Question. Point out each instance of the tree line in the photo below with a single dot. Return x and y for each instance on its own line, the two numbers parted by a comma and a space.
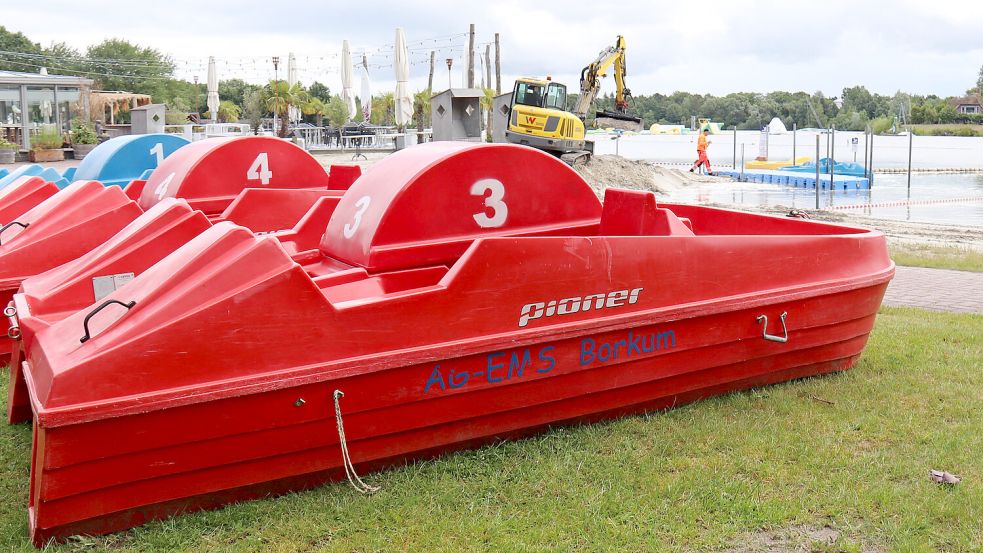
856, 109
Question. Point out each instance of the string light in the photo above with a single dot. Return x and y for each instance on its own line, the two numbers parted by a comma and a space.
250, 68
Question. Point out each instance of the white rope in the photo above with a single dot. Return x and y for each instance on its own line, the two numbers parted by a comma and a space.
350, 473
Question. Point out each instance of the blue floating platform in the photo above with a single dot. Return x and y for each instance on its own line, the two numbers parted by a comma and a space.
794, 178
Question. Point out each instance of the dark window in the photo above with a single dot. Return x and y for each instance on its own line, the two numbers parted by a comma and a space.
556, 96
529, 94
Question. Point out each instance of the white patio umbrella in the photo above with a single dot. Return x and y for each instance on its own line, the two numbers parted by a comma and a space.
403, 100
293, 113
346, 79
212, 100
366, 91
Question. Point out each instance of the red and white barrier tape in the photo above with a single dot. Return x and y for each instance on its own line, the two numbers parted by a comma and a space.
904, 203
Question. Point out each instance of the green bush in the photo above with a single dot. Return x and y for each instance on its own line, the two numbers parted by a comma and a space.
48, 139
4, 145
882, 124
83, 133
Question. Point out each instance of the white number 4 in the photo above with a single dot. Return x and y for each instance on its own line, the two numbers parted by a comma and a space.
161, 189
260, 169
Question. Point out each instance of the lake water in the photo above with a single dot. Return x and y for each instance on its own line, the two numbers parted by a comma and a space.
934, 197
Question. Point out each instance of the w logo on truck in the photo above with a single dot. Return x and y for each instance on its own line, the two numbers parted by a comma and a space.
531, 120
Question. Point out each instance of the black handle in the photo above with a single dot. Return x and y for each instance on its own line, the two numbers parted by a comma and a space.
107, 303
12, 223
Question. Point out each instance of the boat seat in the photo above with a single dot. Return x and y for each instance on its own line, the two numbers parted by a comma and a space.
636, 213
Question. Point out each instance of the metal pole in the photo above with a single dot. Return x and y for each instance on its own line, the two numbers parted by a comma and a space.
742, 162
832, 160
735, 147
871, 165
865, 152
911, 140
795, 129
817, 170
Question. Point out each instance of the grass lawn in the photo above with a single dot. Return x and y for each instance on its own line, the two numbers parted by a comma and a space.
835, 463
937, 257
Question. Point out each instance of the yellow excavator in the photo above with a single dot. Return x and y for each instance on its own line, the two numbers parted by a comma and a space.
538, 116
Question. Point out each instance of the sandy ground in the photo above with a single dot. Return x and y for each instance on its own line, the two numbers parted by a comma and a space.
606, 170
614, 171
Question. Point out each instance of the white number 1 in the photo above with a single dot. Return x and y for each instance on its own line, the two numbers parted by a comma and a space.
260, 169
495, 201
158, 150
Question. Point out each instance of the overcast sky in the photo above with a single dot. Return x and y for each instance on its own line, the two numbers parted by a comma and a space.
697, 46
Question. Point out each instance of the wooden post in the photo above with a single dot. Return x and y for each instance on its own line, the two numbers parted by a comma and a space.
498, 66
488, 82
471, 57
433, 55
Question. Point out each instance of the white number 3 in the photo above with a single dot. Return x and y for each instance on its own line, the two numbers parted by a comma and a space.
362, 204
494, 201
260, 169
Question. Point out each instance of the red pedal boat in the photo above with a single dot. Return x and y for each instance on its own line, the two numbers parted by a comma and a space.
212, 175
462, 293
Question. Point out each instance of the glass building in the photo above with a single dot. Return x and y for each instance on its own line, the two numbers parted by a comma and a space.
32, 102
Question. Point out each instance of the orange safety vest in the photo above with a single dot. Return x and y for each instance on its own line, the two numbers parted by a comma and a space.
701, 143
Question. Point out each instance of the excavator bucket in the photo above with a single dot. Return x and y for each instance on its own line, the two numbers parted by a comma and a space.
616, 120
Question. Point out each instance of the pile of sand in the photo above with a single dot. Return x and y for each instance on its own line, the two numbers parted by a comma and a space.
617, 172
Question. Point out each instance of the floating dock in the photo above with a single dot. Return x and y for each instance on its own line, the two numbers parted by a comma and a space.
793, 178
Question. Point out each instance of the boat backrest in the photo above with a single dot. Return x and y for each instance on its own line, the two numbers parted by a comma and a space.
426, 205
341, 177
210, 173
636, 213
23, 194
272, 209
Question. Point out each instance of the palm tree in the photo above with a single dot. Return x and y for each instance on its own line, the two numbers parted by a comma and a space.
315, 107
228, 112
421, 109
487, 102
383, 109
280, 97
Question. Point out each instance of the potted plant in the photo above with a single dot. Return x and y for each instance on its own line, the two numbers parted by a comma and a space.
7, 151
83, 138
46, 146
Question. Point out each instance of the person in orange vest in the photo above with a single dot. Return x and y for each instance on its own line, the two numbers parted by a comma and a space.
701, 152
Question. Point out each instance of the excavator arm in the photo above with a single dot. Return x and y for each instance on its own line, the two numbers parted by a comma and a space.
590, 85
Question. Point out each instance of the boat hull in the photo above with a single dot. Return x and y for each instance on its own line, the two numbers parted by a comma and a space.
205, 455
